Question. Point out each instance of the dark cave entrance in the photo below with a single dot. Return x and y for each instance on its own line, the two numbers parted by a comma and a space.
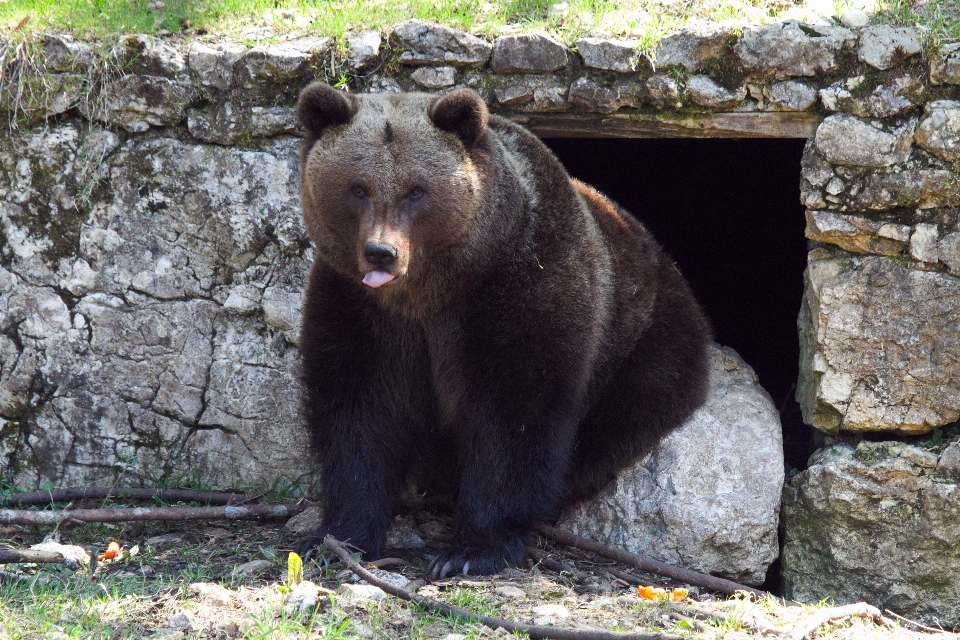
729, 212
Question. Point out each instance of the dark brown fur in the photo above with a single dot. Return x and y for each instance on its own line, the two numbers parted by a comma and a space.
534, 341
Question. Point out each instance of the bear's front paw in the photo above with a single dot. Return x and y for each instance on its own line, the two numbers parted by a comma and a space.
305, 546
476, 560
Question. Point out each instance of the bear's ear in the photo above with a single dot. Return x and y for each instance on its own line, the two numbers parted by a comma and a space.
321, 106
462, 112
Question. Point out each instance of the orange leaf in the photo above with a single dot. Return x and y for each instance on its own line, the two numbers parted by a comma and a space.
113, 550
678, 594
652, 593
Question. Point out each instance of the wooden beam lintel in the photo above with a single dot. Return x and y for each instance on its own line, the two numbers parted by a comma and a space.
766, 124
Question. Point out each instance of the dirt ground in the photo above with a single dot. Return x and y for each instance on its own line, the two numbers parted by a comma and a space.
228, 580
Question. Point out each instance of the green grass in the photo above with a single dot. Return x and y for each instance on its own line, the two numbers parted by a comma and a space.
263, 20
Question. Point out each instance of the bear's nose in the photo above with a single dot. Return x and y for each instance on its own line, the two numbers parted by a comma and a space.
380, 254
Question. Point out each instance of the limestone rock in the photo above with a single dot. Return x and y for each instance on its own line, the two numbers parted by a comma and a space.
844, 139
945, 65
148, 369
877, 345
42, 96
586, 93
363, 50
62, 53
791, 95
883, 46
422, 42
786, 49
138, 102
857, 233
282, 63
707, 93
876, 523
527, 53
697, 500
214, 64
939, 129
143, 55
434, 77
609, 54
230, 121
663, 90
531, 92
697, 43
854, 18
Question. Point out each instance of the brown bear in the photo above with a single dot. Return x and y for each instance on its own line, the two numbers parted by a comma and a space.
476, 321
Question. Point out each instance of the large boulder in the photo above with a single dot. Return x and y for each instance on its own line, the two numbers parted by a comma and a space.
708, 498
880, 522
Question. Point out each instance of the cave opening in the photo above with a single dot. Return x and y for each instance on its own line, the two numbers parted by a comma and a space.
728, 211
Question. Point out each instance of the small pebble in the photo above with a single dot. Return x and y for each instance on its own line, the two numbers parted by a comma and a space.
854, 19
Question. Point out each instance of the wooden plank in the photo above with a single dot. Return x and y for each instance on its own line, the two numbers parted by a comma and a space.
772, 124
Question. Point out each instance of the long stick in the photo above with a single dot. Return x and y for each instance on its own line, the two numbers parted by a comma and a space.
11, 516
10, 556
79, 493
533, 631
649, 565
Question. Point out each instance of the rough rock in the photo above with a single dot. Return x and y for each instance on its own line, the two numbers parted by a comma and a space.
939, 129
147, 56
844, 139
62, 53
857, 233
145, 371
214, 64
229, 121
363, 592
40, 97
883, 46
531, 92
428, 43
791, 95
878, 345
527, 53
434, 77
363, 50
282, 63
138, 102
945, 65
697, 501
609, 54
696, 44
590, 95
876, 522
854, 18
786, 49
663, 91
890, 99
707, 93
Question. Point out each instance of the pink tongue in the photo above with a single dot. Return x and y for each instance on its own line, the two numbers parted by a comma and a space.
377, 278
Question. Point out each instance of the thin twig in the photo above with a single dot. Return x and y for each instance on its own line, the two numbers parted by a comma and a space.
917, 624
806, 628
650, 565
11, 556
554, 565
230, 512
80, 493
533, 631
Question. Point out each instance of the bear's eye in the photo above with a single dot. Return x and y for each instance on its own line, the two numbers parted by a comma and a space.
416, 193
358, 191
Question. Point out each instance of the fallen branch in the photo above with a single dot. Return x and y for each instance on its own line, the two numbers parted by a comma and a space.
917, 624
806, 628
558, 567
81, 493
230, 512
648, 564
11, 556
534, 631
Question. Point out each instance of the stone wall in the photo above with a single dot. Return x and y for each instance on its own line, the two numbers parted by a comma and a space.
151, 255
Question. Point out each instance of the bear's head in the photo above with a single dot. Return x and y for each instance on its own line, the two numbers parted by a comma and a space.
392, 184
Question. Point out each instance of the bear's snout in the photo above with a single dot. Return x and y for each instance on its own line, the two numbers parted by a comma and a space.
380, 254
